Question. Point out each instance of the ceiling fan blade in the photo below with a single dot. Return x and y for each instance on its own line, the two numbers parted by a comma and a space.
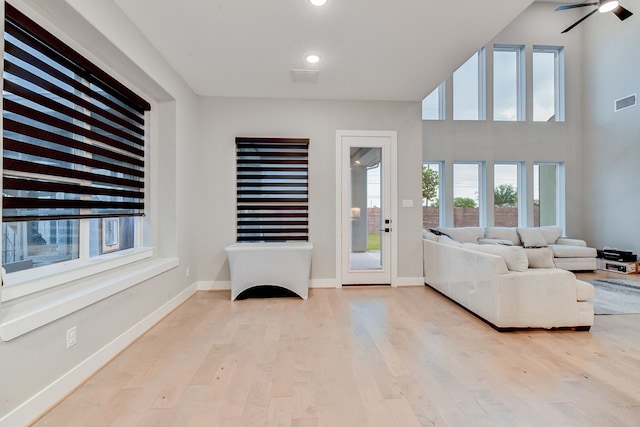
573, 6
622, 13
581, 19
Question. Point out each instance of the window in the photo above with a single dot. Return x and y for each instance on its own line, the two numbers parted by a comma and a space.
548, 194
431, 190
272, 189
433, 106
73, 157
548, 84
508, 83
469, 89
507, 178
467, 194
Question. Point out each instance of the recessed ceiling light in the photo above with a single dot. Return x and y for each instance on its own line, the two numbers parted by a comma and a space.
313, 59
318, 2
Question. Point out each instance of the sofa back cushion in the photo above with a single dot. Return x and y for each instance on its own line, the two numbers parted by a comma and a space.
513, 256
551, 233
463, 234
503, 233
532, 237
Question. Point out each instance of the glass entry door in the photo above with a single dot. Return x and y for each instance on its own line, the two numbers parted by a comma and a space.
366, 219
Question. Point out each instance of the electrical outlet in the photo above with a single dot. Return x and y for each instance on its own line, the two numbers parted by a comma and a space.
72, 336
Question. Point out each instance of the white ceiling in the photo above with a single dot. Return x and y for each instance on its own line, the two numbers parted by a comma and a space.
369, 49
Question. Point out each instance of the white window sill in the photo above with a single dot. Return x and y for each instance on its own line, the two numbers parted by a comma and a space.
20, 315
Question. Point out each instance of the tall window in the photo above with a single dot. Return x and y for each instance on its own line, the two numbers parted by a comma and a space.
469, 89
73, 157
506, 177
433, 106
548, 194
508, 82
272, 189
467, 194
431, 190
548, 84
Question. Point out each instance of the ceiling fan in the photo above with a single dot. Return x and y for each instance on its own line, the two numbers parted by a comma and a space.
603, 7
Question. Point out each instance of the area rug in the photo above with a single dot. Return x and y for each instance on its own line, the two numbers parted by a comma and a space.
616, 296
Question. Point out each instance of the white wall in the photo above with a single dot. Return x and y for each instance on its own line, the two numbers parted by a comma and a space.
527, 141
32, 362
612, 140
223, 119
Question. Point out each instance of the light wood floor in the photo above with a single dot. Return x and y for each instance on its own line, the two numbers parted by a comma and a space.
371, 356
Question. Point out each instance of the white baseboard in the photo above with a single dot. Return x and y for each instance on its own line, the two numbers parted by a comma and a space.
410, 281
211, 285
54, 392
323, 283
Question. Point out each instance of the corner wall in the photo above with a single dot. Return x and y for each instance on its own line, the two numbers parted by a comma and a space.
612, 140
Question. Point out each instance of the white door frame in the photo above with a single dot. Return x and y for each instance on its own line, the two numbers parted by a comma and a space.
393, 139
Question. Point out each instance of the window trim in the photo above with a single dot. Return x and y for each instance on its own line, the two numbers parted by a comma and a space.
519, 50
559, 85
441, 102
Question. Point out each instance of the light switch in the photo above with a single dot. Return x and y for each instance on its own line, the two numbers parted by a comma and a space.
407, 203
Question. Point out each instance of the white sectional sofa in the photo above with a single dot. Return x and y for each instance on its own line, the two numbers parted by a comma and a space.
497, 284
568, 254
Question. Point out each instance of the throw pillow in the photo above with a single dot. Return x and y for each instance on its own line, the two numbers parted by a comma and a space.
513, 256
540, 257
532, 238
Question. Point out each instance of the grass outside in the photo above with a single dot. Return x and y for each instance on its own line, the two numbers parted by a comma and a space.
373, 242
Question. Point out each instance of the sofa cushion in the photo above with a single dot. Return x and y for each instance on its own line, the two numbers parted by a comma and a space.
448, 241
513, 256
567, 251
463, 234
531, 237
429, 235
584, 291
551, 233
540, 257
495, 242
503, 233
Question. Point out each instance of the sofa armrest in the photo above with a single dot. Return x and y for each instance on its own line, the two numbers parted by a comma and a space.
570, 242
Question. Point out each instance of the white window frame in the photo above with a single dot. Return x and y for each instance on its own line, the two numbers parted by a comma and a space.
441, 186
560, 191
482, 86
521, 203
482, 192
440, 93
519, 50
559, 87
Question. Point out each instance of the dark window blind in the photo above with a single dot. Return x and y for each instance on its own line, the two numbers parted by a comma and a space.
272, 189
73, 135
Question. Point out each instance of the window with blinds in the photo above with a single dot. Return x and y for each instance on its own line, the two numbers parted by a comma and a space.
272, 189
74, 146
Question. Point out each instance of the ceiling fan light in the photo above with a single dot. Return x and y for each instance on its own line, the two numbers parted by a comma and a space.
608, 5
